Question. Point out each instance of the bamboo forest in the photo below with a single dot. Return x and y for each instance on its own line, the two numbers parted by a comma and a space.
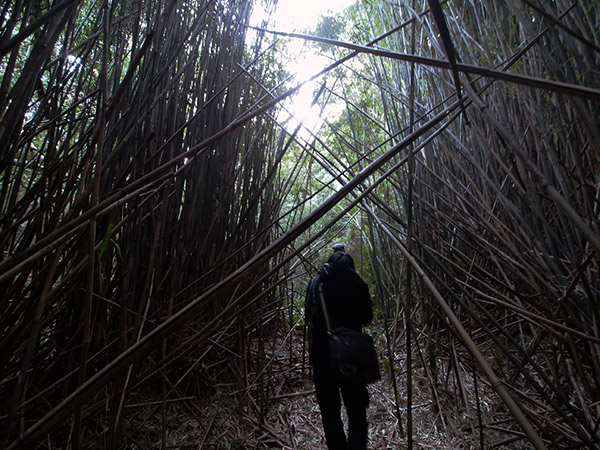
163, 207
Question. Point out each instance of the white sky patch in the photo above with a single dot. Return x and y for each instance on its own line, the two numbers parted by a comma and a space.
304, 62
74, 62
297, 15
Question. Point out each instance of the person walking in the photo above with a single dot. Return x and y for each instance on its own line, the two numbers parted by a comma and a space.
349, 305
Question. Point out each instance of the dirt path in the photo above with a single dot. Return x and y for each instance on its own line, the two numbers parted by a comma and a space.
294, 422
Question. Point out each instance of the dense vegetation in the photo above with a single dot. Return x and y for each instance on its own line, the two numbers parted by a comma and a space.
160, 215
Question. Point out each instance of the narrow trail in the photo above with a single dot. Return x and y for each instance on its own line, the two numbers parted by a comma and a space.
291, 418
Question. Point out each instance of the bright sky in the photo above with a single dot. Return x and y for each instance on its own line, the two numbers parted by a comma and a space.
298, 16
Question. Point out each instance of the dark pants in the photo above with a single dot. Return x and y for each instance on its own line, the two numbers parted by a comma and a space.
356, 400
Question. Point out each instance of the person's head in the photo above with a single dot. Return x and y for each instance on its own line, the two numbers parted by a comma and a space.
340, 258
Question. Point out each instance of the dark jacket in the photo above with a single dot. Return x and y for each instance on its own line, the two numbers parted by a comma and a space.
348, 304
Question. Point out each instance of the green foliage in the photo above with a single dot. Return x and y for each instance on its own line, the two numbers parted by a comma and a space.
514, 26
330, 27
106, 239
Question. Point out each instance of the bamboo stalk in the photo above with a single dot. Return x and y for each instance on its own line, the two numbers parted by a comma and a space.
497, 385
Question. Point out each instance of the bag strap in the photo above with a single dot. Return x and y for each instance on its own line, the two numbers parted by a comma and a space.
322, 296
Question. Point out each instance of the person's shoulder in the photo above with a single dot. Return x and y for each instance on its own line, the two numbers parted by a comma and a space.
357, 279
312, 284
354, 274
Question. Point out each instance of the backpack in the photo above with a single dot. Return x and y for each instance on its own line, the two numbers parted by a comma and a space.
352, 354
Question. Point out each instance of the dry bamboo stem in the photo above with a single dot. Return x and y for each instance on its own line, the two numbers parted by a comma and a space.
496, 383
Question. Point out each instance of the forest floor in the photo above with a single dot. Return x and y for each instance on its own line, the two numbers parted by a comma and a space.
276, 408
293, 421
302, 419
284, 414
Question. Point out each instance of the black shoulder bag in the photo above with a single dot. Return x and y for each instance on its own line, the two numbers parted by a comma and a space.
352, 354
